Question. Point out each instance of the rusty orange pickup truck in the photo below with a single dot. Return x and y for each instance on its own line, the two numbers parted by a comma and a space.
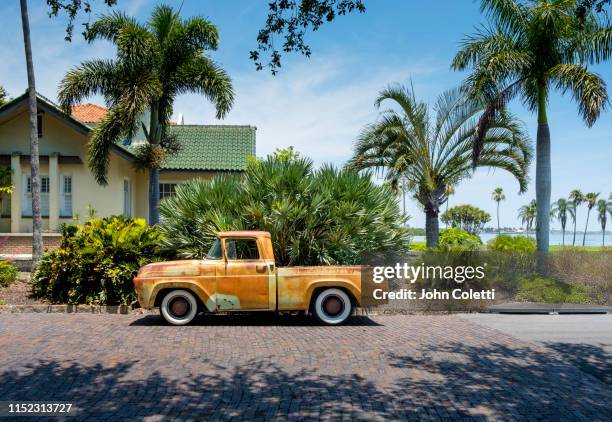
239, 274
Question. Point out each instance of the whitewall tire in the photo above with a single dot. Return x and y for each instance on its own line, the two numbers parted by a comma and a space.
179, 307
332, 306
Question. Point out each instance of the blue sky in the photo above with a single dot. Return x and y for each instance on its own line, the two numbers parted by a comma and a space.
320, 104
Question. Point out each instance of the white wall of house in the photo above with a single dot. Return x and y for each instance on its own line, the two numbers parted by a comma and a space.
59, 139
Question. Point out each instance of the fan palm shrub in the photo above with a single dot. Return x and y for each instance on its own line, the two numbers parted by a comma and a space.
433, 152
155, 63
325, 216
532, 48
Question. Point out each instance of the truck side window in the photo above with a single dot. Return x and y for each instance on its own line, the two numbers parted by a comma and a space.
242, 249
215, 251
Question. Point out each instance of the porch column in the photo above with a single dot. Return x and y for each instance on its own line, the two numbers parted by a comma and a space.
54, 192
16, 178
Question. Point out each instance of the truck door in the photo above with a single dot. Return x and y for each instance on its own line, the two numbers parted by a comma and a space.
245, 282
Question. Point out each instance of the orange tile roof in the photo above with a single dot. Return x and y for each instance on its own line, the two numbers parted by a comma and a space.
88, 113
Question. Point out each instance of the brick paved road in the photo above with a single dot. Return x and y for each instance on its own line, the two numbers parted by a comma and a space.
386, 368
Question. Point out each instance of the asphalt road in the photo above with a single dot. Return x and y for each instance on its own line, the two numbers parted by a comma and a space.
584, 340
575, 329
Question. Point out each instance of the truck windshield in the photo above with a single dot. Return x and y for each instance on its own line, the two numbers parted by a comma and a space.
215, 251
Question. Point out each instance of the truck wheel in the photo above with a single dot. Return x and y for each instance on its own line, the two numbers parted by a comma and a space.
332, 307
179, 307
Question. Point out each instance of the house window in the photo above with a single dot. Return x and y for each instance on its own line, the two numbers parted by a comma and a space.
66, 197
39, 124
6, 204
127, 198
27, 196
166, 190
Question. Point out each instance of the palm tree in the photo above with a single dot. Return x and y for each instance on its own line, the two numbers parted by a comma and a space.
532, 48
576, 197
155, 62
432, 154
37, 240
560, 210
528, 213
603, 209
498, 196
591, 200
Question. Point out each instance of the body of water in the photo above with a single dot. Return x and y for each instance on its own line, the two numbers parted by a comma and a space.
592, 238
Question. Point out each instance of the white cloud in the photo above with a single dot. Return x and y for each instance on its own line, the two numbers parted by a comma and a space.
318, 106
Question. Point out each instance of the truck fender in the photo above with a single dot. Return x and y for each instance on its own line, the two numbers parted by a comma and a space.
341, 284
205, 298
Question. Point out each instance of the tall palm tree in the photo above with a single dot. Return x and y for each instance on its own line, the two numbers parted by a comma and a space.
498, 196
155, 62
37, 240
576, 197
528, 214
560, 211
532, 48
604, 208
434, 153
591, 200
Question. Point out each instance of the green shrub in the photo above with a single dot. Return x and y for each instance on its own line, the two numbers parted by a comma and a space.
418, 246
507, 243
547, 290
97, 261
8, 273
325, 216
458, 240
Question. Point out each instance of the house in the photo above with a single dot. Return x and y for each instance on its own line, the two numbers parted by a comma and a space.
68, 189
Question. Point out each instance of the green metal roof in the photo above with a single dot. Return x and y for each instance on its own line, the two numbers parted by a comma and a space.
212, 147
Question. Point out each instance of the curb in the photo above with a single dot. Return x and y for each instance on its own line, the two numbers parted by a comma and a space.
127, 309
65, 309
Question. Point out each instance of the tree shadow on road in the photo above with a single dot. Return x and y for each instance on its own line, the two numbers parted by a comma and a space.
513, 381
257, 390
592, 359
254, 319
497, 380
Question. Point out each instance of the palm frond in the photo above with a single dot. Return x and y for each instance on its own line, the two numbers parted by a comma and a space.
587, 88
205, 77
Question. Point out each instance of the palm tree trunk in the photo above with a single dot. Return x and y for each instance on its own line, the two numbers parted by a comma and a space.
155, 138
563, 236
574, 237
603, 238
586, 227
543, 175
37, 240
498, 229
432, 228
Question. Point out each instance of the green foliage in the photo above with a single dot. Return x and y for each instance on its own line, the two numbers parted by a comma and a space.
429, 149
547, 290
97, 261
507, 243
156, 61
325, 216
466, 217
455, 239
8, 273
418, 246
